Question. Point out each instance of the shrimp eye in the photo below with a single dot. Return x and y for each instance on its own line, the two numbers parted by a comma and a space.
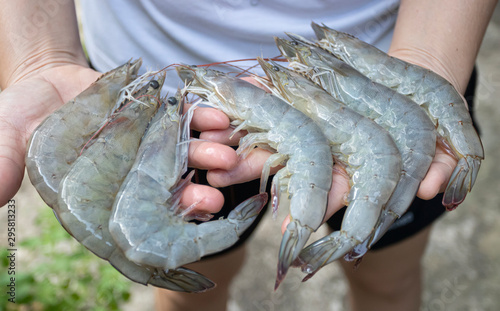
154, 84
276, 68
172, 101
295, 43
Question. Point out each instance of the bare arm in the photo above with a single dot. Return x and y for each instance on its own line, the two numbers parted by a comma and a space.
35, 35
443, 36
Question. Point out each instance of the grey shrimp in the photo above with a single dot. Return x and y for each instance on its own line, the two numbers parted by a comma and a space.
366, 151
146, 221
57, 141
87, 191
305, 180
410, 127
445, 106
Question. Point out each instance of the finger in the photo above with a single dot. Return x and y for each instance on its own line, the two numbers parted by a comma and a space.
205, 198
246, 169
11, 164
223, 136
438, 175
336, 197
209, 156
12, 151
205, 119
11, 176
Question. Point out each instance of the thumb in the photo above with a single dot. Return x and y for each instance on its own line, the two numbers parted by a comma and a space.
11, 163
439, 173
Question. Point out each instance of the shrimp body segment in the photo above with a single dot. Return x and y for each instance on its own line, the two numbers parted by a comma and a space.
362, 147
444, 105
87, 191
146, 221
272, 123
409, 126
57, 141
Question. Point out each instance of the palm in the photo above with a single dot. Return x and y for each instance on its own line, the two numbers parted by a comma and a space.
23, 106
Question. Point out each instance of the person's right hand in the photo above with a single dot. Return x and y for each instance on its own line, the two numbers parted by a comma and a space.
23, 105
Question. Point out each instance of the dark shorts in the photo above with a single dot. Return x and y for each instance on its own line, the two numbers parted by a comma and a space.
420, 214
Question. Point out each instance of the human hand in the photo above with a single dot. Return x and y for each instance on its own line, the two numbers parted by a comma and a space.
23, 105
207, 155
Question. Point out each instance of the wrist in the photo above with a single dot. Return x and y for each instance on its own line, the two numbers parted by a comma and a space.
39, 60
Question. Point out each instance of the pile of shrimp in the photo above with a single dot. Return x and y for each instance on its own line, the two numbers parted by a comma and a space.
109, 163
340, 105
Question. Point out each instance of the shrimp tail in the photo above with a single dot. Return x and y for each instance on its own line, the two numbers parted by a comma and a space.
324, 251
358, 251
396, 207
461, 181
218, 235
293, 241
385, 222
181, 280
244, 214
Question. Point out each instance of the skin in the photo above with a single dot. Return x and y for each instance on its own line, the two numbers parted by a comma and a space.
44, 56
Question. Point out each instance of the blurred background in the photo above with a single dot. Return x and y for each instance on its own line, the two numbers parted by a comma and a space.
462, 262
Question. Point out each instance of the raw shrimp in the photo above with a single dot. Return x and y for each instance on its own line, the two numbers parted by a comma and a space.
410, 127
445, 106
305, 180
57, 141
365, 149
147, 221
87, 191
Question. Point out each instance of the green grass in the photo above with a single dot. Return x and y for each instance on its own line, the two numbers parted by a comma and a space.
61, 274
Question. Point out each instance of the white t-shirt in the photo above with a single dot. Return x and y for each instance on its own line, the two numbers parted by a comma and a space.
163, 32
